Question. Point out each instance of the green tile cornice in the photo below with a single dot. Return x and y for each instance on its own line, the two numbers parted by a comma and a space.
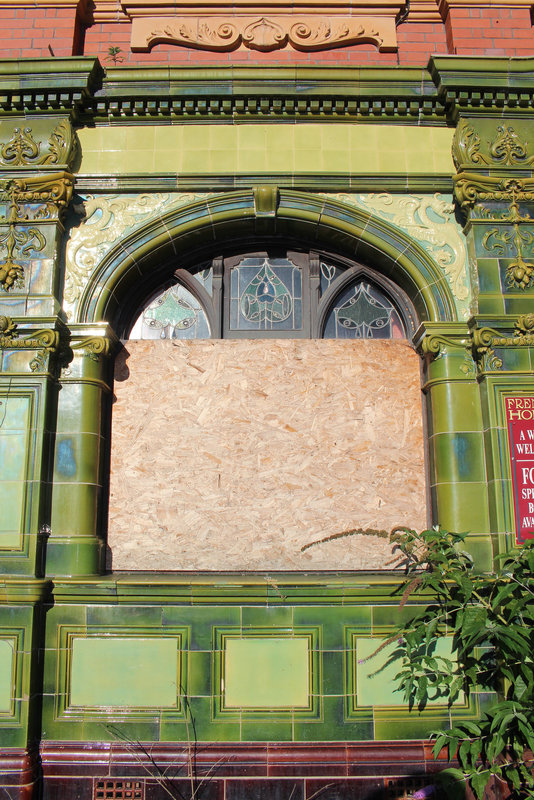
19, 591
255, 93
421, 183
484, 86
230, 589
47, 85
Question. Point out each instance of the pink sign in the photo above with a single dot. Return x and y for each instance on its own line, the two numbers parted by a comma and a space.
520, 419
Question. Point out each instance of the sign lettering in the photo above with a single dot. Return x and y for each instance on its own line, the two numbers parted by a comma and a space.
520, 420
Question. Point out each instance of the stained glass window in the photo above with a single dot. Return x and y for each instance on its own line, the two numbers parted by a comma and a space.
265, 295
329, 273
362, 311
174, 313
276, 294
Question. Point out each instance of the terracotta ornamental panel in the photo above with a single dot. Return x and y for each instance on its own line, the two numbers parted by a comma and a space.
235, 455
304, 25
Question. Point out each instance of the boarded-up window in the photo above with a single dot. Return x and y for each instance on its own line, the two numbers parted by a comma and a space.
234, 454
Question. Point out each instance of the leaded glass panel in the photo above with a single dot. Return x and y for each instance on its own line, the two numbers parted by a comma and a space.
265, 295
175, 313
362, 311
329, 273
205, 278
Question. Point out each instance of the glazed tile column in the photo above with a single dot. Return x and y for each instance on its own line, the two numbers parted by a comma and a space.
35, 188
457, 473
495, 189
76, 544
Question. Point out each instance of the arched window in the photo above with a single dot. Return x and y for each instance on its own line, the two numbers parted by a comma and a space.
260, 405
276, 294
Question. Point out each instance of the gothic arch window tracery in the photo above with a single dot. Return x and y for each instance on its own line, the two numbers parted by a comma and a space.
274, 294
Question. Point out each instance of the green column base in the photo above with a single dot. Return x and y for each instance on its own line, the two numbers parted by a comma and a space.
70, 556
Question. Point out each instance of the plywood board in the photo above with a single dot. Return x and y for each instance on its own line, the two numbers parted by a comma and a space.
233, 455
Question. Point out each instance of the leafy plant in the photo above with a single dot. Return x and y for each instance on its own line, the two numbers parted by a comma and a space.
114, 54
490, 617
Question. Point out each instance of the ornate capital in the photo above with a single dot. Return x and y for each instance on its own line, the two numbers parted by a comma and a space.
471, 188
50, 193
433, 340
51, 189
494, 162
93, 347
46, 341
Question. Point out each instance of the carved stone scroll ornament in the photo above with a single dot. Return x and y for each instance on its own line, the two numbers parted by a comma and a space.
264, 33
21, 149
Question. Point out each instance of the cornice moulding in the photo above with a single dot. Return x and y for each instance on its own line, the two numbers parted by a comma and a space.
327, 93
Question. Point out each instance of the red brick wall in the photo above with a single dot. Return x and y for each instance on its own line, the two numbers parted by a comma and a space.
28, 32
466, 31
490, 31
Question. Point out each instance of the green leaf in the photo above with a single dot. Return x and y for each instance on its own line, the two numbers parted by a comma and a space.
478, 782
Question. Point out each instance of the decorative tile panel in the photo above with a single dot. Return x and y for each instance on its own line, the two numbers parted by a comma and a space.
132, 671
15, 414
7, 671
273, 672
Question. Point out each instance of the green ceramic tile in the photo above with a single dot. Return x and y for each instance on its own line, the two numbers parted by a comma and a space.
125, 672
217, 731
77, 457
266, 731
357, 730
12, 505
130, 616
13, 452
261, 617
14, 412
481, 549
74, 507
266, 673
458, 457
7, 665
13, 737
333, 667
462, 507
42, 276
491, 304
488, 275
455, 407
198, 674
389, 616
414, 727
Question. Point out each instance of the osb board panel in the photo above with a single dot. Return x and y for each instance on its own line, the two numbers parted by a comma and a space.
232, 455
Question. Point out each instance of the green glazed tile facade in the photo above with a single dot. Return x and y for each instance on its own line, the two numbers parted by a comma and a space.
92, 655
